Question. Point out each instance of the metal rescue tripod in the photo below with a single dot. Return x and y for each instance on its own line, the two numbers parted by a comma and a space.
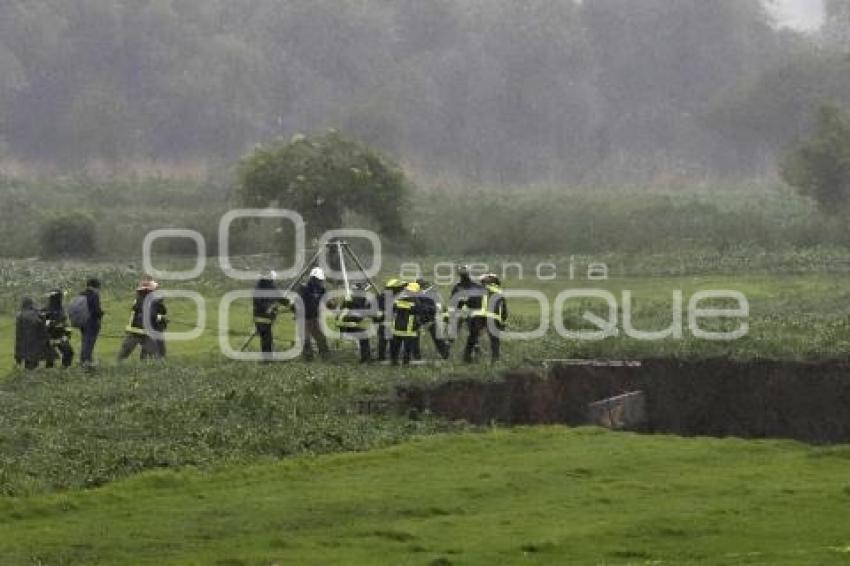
342, 250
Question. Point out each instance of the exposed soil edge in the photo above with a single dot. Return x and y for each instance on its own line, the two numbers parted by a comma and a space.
760, 399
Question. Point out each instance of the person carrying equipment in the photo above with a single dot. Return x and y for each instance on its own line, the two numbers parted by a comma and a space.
138, 331
432, 321
85, 313
58, 334
353, 322
265, 311
311, 294
409, 310
30, 336
385, 316
490, 316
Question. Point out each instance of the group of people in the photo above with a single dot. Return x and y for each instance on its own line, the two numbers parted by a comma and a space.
44, 334
402, 312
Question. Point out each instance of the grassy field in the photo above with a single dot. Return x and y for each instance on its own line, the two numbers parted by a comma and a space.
203, 460
797, 308
539, 496
67, 429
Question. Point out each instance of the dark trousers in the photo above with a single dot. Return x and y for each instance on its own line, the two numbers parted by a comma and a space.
441, 344
477, 325
264, 331
362, 343
89, 339
385, 337
365, 351
30, 365
60, 350
158, 348
313, 331
404, 346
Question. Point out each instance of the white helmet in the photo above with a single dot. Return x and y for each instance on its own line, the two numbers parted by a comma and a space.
318, 273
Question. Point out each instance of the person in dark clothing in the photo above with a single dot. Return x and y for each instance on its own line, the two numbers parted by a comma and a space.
409, 310
465, 298
489, 317
138, 328
265, 311
91, 330
385, 315
312, 293
58, 334
433, 304
30, 336
353, 321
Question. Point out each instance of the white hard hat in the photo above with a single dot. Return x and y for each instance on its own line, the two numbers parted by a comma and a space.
318, 273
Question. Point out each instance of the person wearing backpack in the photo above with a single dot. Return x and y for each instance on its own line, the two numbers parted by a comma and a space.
86, 314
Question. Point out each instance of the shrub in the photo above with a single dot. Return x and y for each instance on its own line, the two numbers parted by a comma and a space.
68, 235
323, 177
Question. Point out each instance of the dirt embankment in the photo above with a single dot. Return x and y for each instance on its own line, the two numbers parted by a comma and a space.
809, 402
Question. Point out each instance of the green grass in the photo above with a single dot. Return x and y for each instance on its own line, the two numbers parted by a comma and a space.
62, 430
69, 430
218, 430
201, 460
798, 307
539, 496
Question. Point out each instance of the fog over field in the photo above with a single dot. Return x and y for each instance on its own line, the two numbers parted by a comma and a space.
491, 91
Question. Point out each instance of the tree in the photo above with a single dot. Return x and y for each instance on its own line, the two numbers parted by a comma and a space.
819, 167
324, 176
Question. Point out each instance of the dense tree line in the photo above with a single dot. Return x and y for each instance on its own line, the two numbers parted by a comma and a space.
489, 90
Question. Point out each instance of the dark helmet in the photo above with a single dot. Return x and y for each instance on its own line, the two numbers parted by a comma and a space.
54, 299
27, 303
93, 282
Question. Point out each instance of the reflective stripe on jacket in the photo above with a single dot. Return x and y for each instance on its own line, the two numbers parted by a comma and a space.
492, 305
405, 324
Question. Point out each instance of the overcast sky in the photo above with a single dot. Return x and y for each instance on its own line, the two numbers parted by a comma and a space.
801, 14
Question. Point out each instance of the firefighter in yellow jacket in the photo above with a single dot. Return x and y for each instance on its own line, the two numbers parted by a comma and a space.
353, 320
386, 315
408, 310
489, 315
